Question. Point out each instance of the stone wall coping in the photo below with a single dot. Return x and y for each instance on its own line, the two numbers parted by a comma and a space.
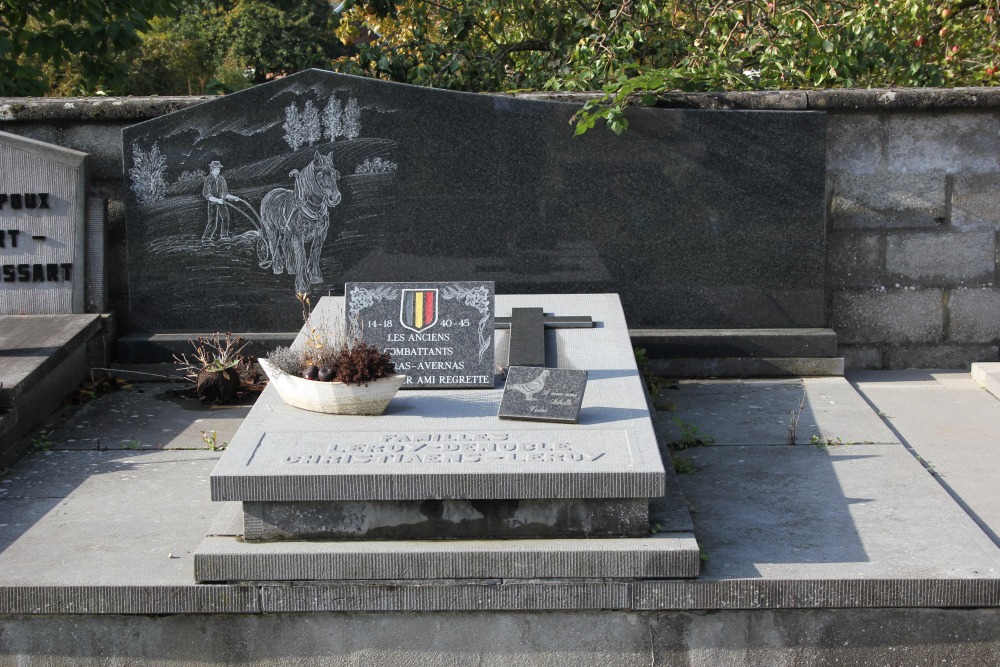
853, 99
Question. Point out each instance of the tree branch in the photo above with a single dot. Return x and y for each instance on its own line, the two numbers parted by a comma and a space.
526, 45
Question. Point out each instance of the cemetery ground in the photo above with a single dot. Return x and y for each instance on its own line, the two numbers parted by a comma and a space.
815, 519
870, 540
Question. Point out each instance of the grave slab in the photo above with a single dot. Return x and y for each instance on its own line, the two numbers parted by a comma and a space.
33, 345
43, 358
450, 444
131, 588
441, 466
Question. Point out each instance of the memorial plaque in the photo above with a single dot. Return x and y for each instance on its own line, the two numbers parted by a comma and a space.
543, 394
318, 179
439, 334
42, 227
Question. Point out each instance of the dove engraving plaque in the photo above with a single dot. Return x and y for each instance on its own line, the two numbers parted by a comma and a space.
543, 394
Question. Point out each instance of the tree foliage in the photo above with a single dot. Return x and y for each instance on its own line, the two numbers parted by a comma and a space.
184, 53
225, 45
633, 48
159, 46
627, 49
791, 44
276, 37
478, 46
37, 37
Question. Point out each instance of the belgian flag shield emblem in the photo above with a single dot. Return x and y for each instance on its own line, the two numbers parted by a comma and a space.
418, 310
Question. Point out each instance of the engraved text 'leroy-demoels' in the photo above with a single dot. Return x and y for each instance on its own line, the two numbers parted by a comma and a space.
448, 448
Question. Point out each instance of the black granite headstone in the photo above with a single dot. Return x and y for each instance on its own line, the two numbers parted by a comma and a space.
695, 218
543, 394
439, 334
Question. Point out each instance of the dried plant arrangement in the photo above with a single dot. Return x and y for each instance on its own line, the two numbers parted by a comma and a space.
333, 370
219, 367
333, 352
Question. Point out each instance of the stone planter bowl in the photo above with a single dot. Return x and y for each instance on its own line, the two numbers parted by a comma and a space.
334, 398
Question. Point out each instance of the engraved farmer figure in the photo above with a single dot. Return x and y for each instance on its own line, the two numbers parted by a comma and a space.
216, 192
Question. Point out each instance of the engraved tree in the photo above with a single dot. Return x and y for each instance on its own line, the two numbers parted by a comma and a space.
333, 119
293, 127
146, 174
312, 131
352, 119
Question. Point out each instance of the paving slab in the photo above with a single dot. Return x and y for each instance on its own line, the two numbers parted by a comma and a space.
845, 512
953, 424
762, 412
987, 376
149, 415
782, 527
74, 517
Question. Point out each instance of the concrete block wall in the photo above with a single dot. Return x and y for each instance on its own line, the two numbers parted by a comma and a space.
913, 189
913, 217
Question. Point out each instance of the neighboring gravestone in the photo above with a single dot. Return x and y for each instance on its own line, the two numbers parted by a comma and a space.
543, 394
439, 334
696, 218
439, 468
43, 211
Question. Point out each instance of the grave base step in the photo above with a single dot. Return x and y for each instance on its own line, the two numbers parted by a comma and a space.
138, 348
454, 519
662, 556
735, 343
160, 348
760, 367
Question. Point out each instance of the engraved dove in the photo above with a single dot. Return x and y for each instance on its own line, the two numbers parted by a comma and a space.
529, 389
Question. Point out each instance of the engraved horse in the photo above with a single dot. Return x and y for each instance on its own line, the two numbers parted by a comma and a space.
294, 223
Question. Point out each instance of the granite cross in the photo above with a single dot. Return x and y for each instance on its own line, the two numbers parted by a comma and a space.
527, 333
